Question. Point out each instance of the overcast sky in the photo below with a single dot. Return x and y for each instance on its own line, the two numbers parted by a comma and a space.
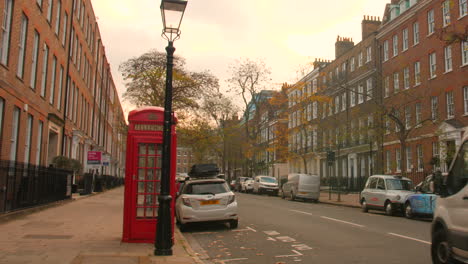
285, 33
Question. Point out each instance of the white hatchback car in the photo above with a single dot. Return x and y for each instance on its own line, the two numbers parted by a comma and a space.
206, 200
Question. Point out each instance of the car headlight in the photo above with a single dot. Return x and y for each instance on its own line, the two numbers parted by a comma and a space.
398, 197
186, 202
231, 199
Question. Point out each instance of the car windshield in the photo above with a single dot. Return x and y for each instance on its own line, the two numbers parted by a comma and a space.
206, 188
268, 180
249, 181
397, 184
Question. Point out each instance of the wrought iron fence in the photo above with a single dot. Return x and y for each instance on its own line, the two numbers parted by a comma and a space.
24, 185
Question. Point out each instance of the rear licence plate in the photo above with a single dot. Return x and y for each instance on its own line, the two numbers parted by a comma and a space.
210, 202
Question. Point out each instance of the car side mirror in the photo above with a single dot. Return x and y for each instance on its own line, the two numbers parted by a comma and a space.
417, 188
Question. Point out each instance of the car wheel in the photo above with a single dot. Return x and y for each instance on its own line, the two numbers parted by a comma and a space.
282, 194
388, 208
440, 249
233, 224
292, 196
182, 227
364, 206
409, 211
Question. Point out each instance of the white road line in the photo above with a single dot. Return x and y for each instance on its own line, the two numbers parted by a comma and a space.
271, 239
271, 233
410, 238
251, 229
301, 212
287, 256
341, 221
241, 230
229, 260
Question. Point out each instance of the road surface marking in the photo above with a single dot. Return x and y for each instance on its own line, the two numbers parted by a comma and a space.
271, 233
251, 229
241, 230
410, 238
341, 221
286, 239
301, 247
271, 239
287, 256
301, 212
229, 260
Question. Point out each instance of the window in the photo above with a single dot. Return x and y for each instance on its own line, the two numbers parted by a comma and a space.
398, 160
353, 97
407, 117
35, 55
6, 31
465, 99
430, 22
360, 59
418, 114
64, 32
397, 116
343, 68
387, 125
14, 133
386, 86
49, 10
464, 52
52, 80
448, 58
57, 17
435, 153
417, 73
314, 110
370, 89
369, 54
314, 86
450, 105
60, 87
463, 8
45, 67
406, 78
446, 13
396, 82
39, 3
360, 94
324, 110
419, 151
352, 64
409, 159
405, 39
27, 143
395, 45
434, 107
343, 101
385, 50
415, 33
388, 161
432, 65
337, 104
22, 46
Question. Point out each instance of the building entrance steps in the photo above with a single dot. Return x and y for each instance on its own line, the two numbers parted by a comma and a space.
83, 231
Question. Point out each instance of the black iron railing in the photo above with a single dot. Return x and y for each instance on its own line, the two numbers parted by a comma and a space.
24, 185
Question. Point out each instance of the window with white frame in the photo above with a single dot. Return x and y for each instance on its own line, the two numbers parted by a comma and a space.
396, 82
465, 99
6, 31
415, 33
324, 110
463, 7
352, 64
386, 86
432, 65
309, 112
446, 13
397, 116
28, 140
405, 39
434, 107
57, 17
419, 151
395, 45
406, 78
343, 68
52, 80
417, 73
34, 57
407, 117
409, 159
39, 142
464, 52
343, 101
388, 160
50, 7
352, 99
369, 54
398, 160
64, 32
430, 22
45, 67
60, 87
314, 86
448, 58
22, 46
337, 72
330, 109
314, 110
360, 93
418, 114
385, 50
387, 125
360, 59
450, 105
370, 89
337, 104
435, 153
39, 3
14, 133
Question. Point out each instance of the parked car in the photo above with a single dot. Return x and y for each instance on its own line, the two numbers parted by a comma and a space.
423, 202
232, 185
302, 186
239, 182
247, 185
449, 229
265, 184
386, 192
206, 200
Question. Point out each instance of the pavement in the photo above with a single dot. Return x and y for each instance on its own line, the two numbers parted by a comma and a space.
85, 230
343, 199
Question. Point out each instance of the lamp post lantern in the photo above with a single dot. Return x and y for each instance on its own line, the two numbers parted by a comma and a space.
172, 12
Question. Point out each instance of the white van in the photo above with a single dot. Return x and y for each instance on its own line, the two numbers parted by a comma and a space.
449, 230
303, 186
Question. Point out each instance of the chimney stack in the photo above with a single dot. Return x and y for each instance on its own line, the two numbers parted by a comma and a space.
370, 24
342, 45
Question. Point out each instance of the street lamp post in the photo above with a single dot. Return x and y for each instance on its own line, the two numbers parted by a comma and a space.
172, 12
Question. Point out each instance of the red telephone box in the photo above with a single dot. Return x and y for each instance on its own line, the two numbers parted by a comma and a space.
143, 174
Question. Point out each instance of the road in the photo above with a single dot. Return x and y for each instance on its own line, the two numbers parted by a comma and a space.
272, 230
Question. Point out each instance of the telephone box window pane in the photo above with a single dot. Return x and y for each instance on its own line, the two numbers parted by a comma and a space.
149, 187
149, 200
150, 212
151, 149
140, 212
142, 162
141, 200
158, 174
150, 175
159, 163
142, 149
159, 148
158, 187
141, 174
141, 187
151, 162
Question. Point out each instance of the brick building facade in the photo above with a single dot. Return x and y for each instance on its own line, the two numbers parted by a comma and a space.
57, 96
